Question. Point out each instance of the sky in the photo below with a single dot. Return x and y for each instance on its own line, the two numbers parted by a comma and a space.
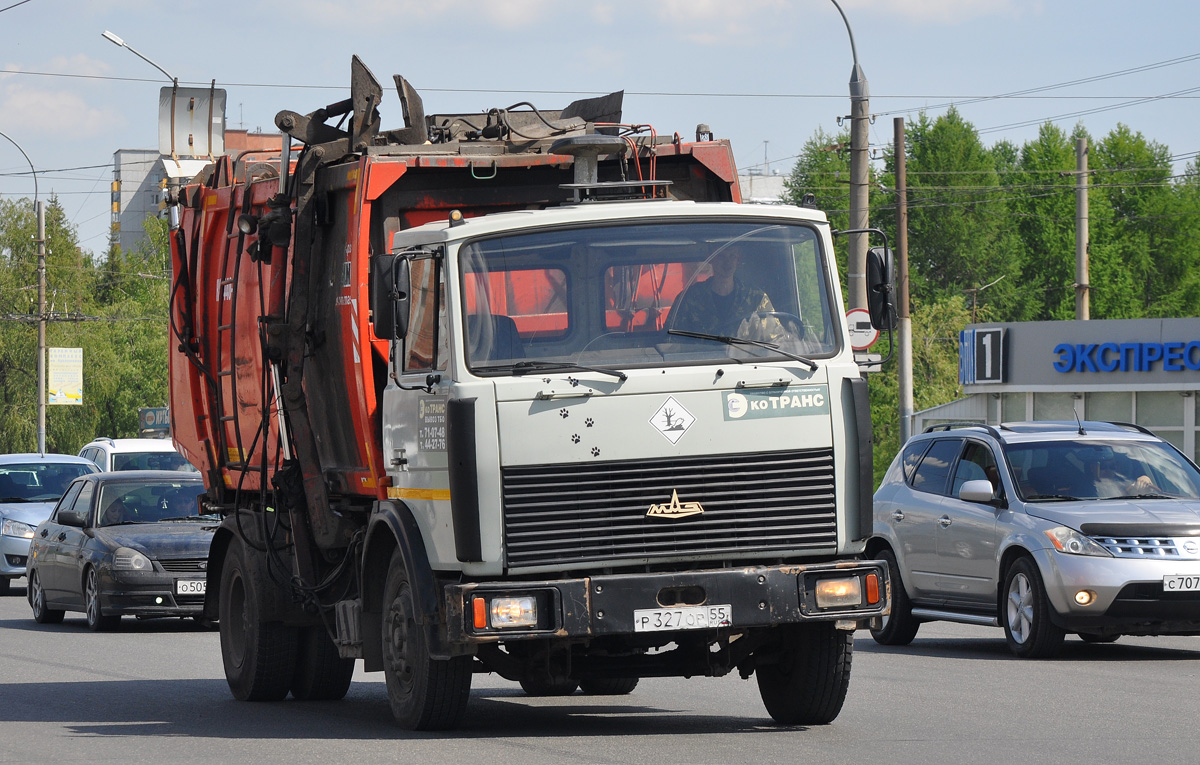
766, 74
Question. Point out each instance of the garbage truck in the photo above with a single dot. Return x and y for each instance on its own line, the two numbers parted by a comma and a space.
525, 392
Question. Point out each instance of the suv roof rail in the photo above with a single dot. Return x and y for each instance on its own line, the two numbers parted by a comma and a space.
1132, 426
956, 425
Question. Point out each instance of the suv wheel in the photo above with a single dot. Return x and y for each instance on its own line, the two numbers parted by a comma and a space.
1026, 613
899, 627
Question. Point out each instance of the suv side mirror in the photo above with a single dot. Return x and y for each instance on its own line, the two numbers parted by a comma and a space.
880, 285
390, 289
977, 491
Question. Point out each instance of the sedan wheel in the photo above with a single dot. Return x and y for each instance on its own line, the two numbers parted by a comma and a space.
96, 621
37, 601
1026, 611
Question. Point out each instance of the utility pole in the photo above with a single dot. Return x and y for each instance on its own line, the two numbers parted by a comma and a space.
1082, 288
860, 111
904, 325
41, 359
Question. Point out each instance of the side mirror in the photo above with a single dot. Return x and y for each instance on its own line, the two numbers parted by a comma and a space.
880, 285
389, 296
71, 518
977, 491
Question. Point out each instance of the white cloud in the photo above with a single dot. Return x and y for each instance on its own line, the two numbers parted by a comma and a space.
947, 12
55, 112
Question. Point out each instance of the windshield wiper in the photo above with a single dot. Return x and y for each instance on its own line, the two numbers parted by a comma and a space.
184, 518
1063, 497
528, 367
812, 365
14, 499
1143, 496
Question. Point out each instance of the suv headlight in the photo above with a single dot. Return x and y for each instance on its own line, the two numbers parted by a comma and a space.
1071, 541
128, 559
11, 528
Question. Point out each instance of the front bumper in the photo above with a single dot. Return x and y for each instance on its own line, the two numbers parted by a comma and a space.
1129, 594
14, 555
604, 606
147, 594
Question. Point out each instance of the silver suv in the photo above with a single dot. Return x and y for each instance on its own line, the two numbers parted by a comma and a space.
1043, 528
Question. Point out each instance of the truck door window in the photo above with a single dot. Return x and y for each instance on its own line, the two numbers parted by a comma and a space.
426, 347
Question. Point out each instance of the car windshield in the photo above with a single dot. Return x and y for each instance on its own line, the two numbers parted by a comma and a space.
1101, 469
141, 502
616, 296
151, 461
38, 481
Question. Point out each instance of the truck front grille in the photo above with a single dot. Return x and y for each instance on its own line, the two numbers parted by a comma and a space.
768, 502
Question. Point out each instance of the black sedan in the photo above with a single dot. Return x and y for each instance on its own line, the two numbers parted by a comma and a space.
124, 543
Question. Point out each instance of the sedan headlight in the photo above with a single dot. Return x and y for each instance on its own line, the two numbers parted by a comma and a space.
11, 528
128, 559
1071, 541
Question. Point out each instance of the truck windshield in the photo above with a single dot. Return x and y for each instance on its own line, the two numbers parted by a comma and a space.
647, 294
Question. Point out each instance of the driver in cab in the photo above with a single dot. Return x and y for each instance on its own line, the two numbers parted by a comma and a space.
723, 305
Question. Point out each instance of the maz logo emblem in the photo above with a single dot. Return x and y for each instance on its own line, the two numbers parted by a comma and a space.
675, 509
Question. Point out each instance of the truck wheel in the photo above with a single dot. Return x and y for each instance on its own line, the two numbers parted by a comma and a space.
539, 686
37, 601
321, 674
259, 656
425, 693
608, 686
1026, 613
899, 627
808, 685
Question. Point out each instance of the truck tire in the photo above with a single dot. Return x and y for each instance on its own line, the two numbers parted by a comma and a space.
808, 685
321, 674
259, 656
899, 627
608, 686
539, 686
425, 693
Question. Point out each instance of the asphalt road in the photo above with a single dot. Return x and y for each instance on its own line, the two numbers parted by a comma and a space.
154, 691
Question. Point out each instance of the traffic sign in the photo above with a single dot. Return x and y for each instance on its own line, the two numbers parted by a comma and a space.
862, 333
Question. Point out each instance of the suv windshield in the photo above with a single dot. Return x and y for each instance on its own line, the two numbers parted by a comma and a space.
1096, 469
151, 461
647, 294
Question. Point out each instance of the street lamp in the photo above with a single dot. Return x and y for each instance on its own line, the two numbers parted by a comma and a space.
859, 171
122, 44
40, 211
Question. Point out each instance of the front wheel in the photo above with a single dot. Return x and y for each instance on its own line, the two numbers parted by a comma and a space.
42, 614
808, 685
425, 693
96, 620
899, 627
259, 656
1026, 613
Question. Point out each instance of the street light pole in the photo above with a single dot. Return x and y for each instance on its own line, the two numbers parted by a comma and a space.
122, 44
859, 171
40, 211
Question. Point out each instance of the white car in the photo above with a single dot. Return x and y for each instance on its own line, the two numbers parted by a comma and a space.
135, 454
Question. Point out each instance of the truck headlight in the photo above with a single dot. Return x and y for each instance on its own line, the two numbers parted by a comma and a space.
839, 593
513, 612
11, 528
128, 559
1072, 542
